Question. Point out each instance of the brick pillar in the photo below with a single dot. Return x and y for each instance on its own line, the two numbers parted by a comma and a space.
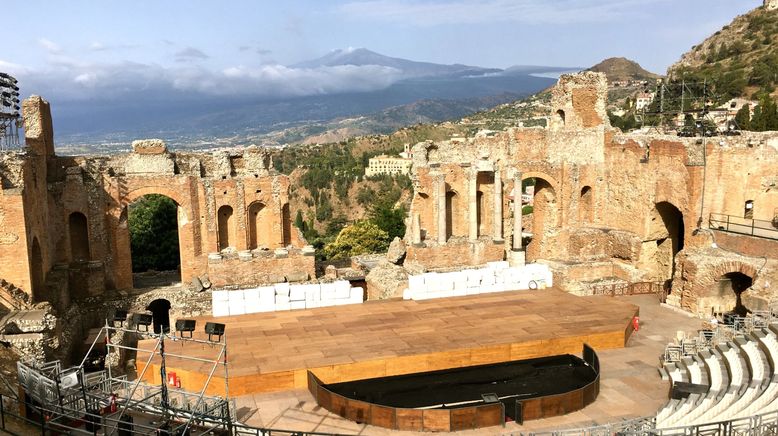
517, 246
497, 222
472, 195
441, 192
416, 228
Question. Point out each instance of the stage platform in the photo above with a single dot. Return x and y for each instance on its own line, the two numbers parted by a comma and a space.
273, 351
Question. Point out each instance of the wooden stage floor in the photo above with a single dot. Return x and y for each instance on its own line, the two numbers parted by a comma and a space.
273, 351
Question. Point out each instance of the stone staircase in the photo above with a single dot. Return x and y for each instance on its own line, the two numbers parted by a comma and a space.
12, 297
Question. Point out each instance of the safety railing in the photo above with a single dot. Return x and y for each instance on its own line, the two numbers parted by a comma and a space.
639, 288
744, 226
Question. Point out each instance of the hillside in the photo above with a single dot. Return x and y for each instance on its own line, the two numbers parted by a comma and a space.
623, 69
740, 59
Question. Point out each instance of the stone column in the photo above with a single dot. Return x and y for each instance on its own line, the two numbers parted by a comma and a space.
472, 194
441, 192
416, 227
517, 245
497, 222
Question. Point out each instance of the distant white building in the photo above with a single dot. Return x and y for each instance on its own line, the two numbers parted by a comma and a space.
643, 100
388, 165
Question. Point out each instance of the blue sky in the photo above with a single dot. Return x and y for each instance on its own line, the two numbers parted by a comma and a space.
80, 49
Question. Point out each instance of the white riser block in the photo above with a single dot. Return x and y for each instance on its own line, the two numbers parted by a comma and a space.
342, 289
283, 306
445, 282
357, 295
297, 293
294, 305
267, 293
282, 289
500, 265
460, 292
237, 307
415, 283
221, 308
236, 296
473, 291
327, 291
407, 294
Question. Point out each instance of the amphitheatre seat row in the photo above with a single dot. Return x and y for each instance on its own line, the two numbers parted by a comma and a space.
741, 377
495, 277
284, 296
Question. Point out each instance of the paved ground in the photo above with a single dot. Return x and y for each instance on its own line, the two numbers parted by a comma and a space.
630, 387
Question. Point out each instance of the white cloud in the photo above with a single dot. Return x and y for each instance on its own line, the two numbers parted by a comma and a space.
71, 80
491, 11
50, 46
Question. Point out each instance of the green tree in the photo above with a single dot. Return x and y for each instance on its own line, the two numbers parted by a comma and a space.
298, 220
362, 237
153, 224
388, 218
743, 117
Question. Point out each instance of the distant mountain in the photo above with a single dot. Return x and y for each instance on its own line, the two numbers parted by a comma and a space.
363, 56
739, 60
623, 69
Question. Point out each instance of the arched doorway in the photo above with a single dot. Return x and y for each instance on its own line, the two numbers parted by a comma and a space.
160, 312
257, 221
544, 216
37, 277
226, 231
664, 241
154, 240
79, 237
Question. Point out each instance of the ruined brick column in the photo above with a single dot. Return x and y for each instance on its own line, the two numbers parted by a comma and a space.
416, 228
472, 194
497, 221
517, 211
441, 193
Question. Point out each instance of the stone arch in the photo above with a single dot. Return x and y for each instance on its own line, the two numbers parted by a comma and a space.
716, 291
545, 215
166, 256
542, 175
586, 205
78, 231
37, 276
160, 312
258, 225
226, 226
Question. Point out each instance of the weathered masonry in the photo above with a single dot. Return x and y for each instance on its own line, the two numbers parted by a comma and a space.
698, 213
64, 232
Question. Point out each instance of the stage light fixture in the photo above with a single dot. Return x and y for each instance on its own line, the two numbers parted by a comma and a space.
119, 316
490, 398
185, 326
142, 320
214, 329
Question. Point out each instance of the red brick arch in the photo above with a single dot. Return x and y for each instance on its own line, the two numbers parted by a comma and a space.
715, 273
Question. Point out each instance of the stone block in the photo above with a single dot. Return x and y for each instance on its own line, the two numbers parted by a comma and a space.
245, 255
214, 258
297, 276
281, 253
149, 146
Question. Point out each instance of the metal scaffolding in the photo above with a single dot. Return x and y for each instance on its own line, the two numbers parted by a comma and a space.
10, 118
84, 402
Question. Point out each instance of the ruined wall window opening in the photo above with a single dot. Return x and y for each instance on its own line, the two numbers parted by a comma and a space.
153, 223
479, 208
586, 205
160, 312
78, 230
226, 224
673, 222
560, 116
749, 210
